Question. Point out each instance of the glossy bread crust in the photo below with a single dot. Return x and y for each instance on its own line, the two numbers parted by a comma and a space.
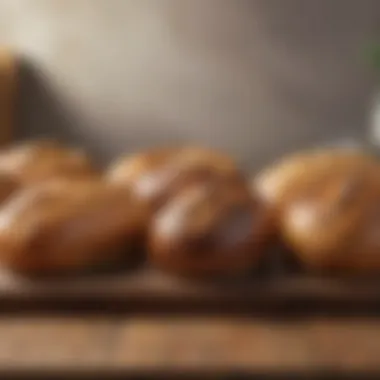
41, 160
210, 230
158, 175
278, 183
60, 225
333, 220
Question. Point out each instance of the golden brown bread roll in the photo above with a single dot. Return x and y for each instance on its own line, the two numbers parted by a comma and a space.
210, 230
63, 225
39, 160
126, 170
157, 175
279, 182
332, 221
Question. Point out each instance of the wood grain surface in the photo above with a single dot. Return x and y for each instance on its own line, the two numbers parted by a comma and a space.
148, 291
189, 344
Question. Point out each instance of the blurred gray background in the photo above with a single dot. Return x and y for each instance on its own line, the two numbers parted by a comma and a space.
258, 78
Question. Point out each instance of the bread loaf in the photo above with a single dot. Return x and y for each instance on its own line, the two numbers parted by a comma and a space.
63, 225
35, 161
332, 221
281, 181
210, 230
158, 175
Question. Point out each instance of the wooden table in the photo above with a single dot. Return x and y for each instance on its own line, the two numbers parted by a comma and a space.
61, 340
197, 343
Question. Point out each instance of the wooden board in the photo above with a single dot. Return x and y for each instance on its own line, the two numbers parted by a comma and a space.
148, 291
8, 87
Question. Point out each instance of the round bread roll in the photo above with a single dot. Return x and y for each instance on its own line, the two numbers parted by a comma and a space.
62, 225
127, 170
333, 222
156, 176
280, 182
40, 160
209, 230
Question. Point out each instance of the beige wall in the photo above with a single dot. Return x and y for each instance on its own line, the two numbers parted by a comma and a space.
256, 77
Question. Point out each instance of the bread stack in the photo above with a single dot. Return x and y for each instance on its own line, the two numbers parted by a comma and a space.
327, 208
204, 220
60, 214
191, 209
